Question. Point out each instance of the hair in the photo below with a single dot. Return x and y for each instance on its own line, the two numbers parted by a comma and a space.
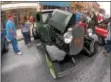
23, 22
25, 18
9, 15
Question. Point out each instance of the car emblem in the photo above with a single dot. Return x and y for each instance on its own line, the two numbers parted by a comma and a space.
77, 41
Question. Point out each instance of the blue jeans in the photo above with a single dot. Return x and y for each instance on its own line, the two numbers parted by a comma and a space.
27, 38
108, 46
15, 45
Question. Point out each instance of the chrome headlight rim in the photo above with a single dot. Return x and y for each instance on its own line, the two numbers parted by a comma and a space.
68, 37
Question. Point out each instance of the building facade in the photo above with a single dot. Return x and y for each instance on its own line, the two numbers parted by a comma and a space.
19, 10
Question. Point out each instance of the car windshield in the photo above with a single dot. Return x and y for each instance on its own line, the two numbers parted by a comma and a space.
45, 17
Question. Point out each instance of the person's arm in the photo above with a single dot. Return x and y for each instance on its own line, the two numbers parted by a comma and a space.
11, 30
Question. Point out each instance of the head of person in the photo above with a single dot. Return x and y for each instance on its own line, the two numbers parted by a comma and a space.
25, 18
31, 19
96, 13
10, 17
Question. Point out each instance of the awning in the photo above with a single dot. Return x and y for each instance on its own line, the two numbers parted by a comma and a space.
56, 3
19, 5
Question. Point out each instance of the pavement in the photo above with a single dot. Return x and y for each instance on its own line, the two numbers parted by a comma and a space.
31, 67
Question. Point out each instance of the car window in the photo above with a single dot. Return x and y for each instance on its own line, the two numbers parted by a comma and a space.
35, 25
38, 17
45, 17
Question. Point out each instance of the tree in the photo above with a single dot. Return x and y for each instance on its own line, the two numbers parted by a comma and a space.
102, 11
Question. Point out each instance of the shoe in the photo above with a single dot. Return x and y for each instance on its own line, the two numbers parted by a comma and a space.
19, 53
29, 45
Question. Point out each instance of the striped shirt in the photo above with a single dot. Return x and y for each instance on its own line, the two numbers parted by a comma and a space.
25, 27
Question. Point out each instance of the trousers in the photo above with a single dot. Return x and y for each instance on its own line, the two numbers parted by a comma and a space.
15, 45
108, 46
27, 38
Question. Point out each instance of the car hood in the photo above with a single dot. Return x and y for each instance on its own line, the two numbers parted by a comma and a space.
60, 19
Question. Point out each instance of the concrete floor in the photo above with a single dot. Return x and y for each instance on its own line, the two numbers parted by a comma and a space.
31, 67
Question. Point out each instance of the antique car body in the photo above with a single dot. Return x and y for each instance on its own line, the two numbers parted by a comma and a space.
41, 17
60, 30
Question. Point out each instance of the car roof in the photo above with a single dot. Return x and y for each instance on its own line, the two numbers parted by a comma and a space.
47, 10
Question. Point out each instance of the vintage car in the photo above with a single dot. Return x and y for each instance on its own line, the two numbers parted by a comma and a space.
62, 40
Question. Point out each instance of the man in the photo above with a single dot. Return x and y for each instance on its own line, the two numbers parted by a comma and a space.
78, 16
108, 41
93, 21
100, 18
11, 34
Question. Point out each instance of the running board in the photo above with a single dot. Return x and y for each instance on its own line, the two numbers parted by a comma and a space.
61, 74
63, 69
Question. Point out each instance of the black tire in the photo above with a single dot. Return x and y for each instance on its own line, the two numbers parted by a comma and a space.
34, 33
101, 40
93, 48
6, 46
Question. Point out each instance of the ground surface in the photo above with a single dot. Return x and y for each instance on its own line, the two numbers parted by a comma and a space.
31, 67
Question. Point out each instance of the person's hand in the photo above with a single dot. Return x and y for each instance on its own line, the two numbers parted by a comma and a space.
15, 36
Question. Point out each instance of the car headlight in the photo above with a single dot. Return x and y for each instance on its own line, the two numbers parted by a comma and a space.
68, 37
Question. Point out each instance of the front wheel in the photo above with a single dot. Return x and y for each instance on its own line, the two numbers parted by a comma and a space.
93, 48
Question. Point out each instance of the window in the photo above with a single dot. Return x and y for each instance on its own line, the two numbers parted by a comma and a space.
38, 17
45, 16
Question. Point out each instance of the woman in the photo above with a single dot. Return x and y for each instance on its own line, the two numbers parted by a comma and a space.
25, 28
